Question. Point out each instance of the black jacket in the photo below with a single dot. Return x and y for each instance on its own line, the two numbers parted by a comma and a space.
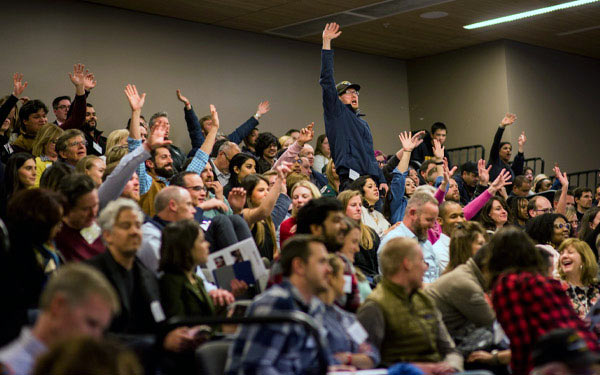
136, 315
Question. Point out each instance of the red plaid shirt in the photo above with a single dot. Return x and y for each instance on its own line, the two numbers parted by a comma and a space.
530, 305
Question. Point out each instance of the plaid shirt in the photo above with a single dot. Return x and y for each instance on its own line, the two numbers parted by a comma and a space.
196, 165
282, 348
528, 306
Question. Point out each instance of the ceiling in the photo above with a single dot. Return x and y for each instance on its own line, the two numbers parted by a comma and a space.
400, 32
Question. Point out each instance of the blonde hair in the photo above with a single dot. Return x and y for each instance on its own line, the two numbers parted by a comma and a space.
115, 138
283, 139
47, 133
589, 265
314, 191
293, 178
86, 163
116, 153
366, 236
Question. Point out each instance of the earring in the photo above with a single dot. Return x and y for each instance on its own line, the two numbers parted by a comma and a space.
581, 266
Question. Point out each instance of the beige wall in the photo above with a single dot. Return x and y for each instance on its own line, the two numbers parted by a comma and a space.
232, 69
466, 89
553, 94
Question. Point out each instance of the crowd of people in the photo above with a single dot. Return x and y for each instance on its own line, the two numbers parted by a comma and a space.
404, 261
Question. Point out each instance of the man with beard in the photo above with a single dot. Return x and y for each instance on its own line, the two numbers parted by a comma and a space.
155, 173
322, 217
96, 142
420, 215
249, 146
259, 349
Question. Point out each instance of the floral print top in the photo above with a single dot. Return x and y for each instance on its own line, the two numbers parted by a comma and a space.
583, 298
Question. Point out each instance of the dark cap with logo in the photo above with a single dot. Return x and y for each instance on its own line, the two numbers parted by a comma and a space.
345, 85
563, 345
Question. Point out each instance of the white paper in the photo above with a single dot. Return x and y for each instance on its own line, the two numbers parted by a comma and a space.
353, 174
239, 252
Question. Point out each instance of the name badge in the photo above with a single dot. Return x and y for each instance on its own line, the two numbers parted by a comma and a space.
97, 147
357, 332
353, 174
347, 284
157, 311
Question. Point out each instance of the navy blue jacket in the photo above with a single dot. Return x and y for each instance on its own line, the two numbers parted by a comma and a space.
197, 138
349, 136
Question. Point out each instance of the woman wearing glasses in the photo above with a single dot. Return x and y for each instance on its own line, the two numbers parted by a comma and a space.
549, 229
578, 268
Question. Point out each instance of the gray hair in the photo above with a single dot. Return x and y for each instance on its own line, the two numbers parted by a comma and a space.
109, 214
166, 195
155, 116
425, 189
76, 282
420, 199
226, 146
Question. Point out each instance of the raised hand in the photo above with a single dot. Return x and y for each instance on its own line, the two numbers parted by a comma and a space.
136, 102
214, 116
78, 76
182, 98
521, 141
263, 107
508, 119
448, 173
408, 141
237, 199
306, 134
331, 31
283, 170
500, 182
89, 81
18, 85
484, 173
438, 150
157, 137
562, 177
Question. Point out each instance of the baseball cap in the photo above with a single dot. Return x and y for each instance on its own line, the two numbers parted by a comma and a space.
345, 85
563, 345
469, 167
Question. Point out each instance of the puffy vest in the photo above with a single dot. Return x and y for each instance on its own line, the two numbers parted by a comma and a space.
411, 326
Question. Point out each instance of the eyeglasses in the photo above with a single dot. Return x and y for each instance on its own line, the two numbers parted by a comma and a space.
546, 210
196, 188
299, 161
351, 92
561, 226
63, 107
73, 144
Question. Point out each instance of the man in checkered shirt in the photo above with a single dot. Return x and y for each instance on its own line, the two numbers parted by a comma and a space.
285, 348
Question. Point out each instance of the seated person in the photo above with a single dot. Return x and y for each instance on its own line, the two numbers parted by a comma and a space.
348, 348
401, 320
260, 349
183, 249
460, 297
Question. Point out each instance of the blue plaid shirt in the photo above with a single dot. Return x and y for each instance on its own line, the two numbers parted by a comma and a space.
196, 165
340, 340
281, 348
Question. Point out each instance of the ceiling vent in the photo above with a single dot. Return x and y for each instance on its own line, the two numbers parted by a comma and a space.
391, 7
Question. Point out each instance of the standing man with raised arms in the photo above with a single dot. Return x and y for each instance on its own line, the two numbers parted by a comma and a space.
349, 135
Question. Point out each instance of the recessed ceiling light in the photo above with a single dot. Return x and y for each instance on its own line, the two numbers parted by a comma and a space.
433, 15
530, 13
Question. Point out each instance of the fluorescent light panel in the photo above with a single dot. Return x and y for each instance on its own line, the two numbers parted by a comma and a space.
529, 13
